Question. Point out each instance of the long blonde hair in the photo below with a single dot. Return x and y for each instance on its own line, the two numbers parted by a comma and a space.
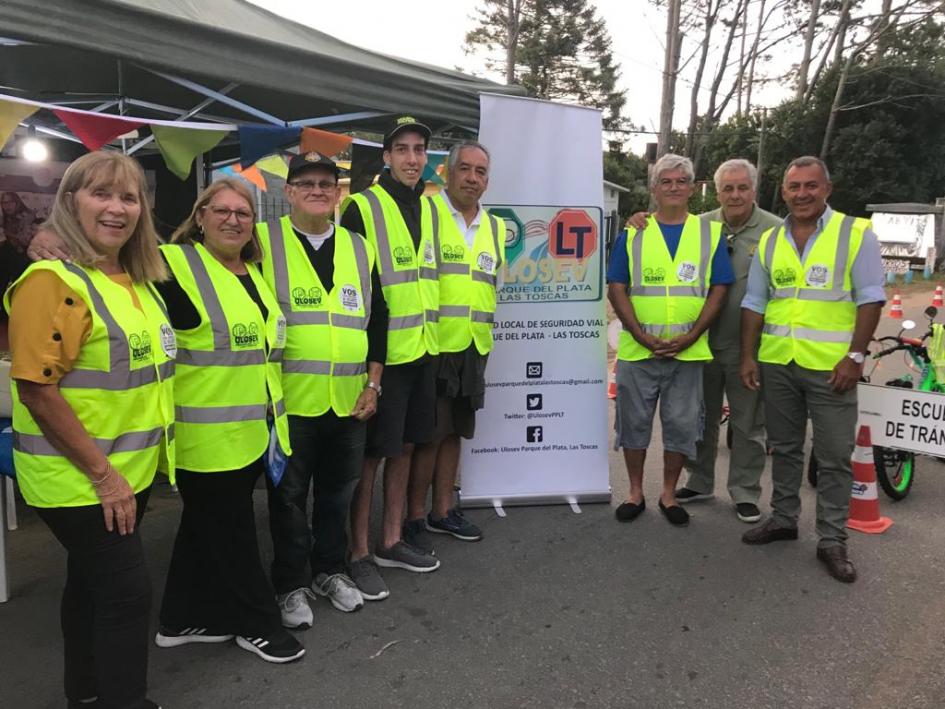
139, 257
190, 232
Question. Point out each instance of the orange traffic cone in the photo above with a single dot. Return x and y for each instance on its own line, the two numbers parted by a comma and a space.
895, 311
864, 500
937, 299
612, 383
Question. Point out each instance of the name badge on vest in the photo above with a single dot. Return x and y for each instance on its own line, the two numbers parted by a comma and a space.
280, 331
486, 263
817, 276
350, 298
687, 272
168, 340
428, 256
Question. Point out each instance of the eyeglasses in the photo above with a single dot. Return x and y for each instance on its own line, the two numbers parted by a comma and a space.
309, 186
224, 213
678, 182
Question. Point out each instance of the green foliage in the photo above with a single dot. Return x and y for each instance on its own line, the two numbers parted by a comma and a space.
889, 143
628, 171
563, 52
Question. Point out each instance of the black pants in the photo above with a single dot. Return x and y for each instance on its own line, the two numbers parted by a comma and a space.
216, 578
106, 605
328, 454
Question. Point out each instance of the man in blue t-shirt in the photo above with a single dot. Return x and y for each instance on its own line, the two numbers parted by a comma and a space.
678, 291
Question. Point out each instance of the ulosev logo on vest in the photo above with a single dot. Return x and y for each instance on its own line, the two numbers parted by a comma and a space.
402, 256
140, 346
245, 335
453, 254
303, 299
784, 276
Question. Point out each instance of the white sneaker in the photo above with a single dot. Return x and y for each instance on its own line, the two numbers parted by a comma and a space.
296, 613
340, 590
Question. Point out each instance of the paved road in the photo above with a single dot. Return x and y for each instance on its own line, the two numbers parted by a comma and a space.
555, 609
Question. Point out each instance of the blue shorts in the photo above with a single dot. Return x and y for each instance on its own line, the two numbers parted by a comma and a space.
677, 385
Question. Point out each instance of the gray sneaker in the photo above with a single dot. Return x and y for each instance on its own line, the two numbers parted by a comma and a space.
404, 556
368, 579
340, 590
294, 609
416, 535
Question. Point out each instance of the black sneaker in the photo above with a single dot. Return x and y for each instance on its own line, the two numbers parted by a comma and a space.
174, 637
748, 512
454, 523
279, 647
414, 532
685, 494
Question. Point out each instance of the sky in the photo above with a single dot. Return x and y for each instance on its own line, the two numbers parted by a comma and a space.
434, 33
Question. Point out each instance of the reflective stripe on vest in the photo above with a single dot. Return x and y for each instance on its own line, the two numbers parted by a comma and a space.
313, 384
805, 323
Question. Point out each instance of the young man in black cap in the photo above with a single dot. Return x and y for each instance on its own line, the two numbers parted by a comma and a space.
401, 226
336, 343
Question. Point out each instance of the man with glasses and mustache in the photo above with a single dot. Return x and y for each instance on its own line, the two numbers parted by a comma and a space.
336, 343
667, 283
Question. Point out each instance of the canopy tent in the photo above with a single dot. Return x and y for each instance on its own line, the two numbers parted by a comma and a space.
226, 60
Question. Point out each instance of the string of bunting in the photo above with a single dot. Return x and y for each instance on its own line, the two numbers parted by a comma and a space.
180, 142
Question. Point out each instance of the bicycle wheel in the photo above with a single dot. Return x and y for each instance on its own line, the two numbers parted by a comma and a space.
895, 471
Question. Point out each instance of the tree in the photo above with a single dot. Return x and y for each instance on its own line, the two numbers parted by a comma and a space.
630, 171
556, 49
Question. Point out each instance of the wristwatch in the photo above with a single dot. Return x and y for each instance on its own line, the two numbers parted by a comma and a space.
372, 385
858, 357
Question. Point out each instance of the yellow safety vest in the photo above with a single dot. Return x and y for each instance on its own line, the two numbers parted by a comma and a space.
228, 366
668, 294
120, 388
468, 281
811, 314
408, 275
325, 362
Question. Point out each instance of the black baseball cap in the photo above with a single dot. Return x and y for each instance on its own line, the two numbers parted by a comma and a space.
306, 161
406, 123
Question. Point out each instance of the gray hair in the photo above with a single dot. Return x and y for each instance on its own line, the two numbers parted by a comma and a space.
807, 161
733, 165
671, 162
453, 157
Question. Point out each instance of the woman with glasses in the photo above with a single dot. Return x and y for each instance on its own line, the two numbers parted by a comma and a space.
231, 333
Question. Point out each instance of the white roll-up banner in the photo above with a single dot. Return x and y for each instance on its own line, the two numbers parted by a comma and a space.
542, 437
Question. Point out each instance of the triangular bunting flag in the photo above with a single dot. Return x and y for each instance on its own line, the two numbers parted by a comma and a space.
96, 129
253, 175
258, 141
180, 146
366, 162
274, 165
431, 173
323, 141
11, 113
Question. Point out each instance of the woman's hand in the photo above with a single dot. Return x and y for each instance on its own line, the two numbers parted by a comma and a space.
118, 502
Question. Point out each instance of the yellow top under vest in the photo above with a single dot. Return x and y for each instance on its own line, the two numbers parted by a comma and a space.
120, 388
811, 314
325, 365
408, 274
228, 366
468, 280
668, 293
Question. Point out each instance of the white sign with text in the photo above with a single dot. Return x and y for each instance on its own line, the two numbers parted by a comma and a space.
903, 418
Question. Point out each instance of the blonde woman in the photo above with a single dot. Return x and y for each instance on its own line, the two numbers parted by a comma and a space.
93, 361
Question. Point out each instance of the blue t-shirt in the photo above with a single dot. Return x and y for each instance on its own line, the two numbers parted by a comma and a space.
619, 269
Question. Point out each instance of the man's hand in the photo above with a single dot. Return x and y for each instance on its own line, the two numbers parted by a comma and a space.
118, 503
366, 405
748, 372
47, 246
655, 344
678, 344
845, 375
637, 220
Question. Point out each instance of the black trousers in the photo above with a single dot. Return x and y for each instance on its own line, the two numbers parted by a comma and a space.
106, 606
327, 455
216, 579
